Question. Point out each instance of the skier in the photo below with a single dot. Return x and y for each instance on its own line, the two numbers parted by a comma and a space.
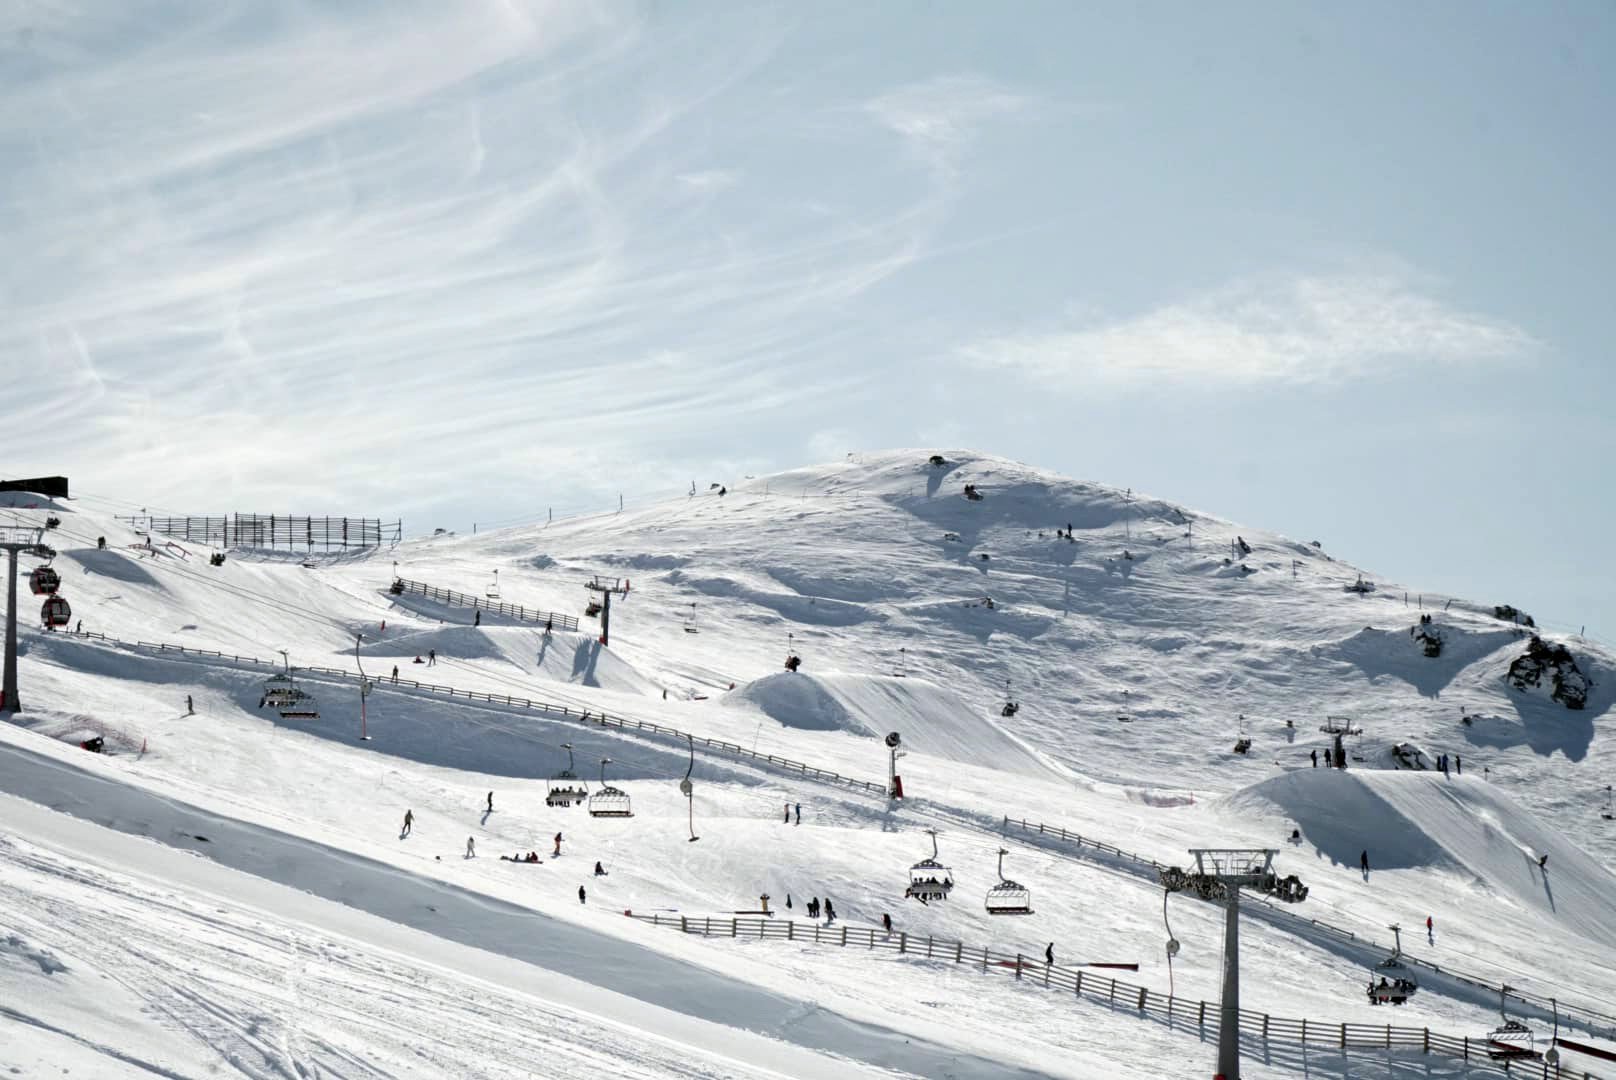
1049, 954
1314, 754
664, 693
471, 847
1430, 930
600, 871
490, 802
384, 626
1543, 862
788, 814
395, 674
431, 657
886, 922
1363, 861
409, 823
799, 813
581, 894
557, 844
189, 708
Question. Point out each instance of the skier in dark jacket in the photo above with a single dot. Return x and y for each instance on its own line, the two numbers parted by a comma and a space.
1363, 861
886, 922
1049, 953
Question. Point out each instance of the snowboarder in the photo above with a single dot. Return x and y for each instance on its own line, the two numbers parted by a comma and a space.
813, 908
189, 708
557, 844
471, 847
799, 813
886, 922
1314, 754
409, 823
431, 657
1363, 861
384, 626
582, 895
1430, 931
100, 542
395, 674
1543, 862
490, 802
600, 871
1049, 954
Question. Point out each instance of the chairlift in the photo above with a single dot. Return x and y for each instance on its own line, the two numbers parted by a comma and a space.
44, 581
1011, 705
592, 609
282, 694
1511, 1039
492, 592
929, 879
565, 788
1007, 897
1607, 813
690, 621
1125, 716
1396, 982
55, 612
608, 801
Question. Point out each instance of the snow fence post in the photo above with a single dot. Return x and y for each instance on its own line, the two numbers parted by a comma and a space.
1343, 1036
1018, 965
791, 931
844, 935
928, 946
684, 926
959, 950
903, 940
1080, 983
1200, 1017
1427, 1047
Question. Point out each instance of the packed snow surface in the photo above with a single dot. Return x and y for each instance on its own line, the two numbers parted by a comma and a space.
1139, 639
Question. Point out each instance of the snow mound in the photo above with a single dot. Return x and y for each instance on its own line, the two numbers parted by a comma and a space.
932, 719
1459, 824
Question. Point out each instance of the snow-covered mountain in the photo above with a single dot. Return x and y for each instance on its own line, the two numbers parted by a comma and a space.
922, 591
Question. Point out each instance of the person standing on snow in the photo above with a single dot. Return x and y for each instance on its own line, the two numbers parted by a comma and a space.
600, 871
886, 922
1430, 930
490, 802
788, 814
581, 894
557, 844
799, 813
1049, 954
189, 708
431, 657
395, 674
471, 847
1314, 754
1363, 862
409, 823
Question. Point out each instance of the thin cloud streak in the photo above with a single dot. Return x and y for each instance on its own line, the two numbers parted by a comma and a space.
1301, 330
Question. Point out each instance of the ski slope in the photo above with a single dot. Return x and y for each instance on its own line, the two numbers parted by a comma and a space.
1131, 648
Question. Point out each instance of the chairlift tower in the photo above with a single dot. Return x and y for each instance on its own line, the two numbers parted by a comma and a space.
894, 781
1219, 875
607, 588
15, 541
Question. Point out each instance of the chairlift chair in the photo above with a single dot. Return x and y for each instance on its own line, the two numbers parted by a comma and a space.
1511, 1039
301, 706
279, 690
44, 581
1008, 897
1011, 705
55, 612
608, 801
565, 788
929, 879
1396, 982
690, 621
592, 609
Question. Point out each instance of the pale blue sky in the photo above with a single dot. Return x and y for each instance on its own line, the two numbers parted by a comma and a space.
1337, 270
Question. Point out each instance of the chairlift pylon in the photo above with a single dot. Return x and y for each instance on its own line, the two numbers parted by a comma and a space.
565, 787
492, 592
1008, 897
608, 801
929, 879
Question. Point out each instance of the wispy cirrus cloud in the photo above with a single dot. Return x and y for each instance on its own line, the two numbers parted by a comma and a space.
940, 118
1304, 329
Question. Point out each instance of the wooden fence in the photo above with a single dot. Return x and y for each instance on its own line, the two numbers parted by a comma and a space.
555, 620
1116, 993
277, 531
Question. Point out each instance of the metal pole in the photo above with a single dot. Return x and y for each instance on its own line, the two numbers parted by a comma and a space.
9, 702
1229, 1007
606, 619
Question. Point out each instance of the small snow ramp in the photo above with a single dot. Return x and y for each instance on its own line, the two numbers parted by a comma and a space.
932, 719
1457, 823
